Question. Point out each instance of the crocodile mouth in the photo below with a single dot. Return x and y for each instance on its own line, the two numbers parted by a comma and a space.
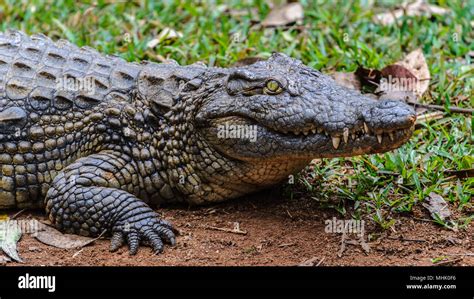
347, 136
306, 141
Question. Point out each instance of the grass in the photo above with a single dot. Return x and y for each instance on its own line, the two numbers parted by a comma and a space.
336, 36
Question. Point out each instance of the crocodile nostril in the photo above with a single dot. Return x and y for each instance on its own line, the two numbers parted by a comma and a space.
411, 119
387, 104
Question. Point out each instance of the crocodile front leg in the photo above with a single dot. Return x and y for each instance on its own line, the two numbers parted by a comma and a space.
93, 195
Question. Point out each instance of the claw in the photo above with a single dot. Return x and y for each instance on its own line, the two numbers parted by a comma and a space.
138, 228
165, 222
166, 233
156, 243
169, 237
170, 226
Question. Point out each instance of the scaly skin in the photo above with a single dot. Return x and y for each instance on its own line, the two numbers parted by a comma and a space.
148, 133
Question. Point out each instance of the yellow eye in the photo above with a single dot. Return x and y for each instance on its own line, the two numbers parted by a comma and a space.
272, 87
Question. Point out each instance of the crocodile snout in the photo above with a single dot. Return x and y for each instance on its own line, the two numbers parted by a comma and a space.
388, 116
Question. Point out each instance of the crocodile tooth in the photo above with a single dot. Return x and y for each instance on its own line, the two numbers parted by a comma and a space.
326, 133
379, 138
336, 141
353, 136
366, 128
313, 131
345, 134
390, 134
320, 130
305, 133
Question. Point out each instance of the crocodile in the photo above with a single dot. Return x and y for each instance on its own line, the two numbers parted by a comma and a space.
100, 143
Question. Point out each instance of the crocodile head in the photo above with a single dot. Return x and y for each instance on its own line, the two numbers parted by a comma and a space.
286, 110
271, 118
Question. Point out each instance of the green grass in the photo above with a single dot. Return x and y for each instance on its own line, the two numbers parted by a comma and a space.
336, 36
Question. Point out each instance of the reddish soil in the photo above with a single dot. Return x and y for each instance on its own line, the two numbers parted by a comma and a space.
279, 232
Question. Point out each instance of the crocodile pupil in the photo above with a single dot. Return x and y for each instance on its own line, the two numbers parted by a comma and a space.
273, 86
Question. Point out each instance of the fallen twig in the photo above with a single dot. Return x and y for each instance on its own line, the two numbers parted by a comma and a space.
453, 109
462, 174
77, 252
227, 230
386, 172
426, 117
447, 262
286, 245
16, 215
406, 240
320, 261
422, 219
461, 254
311, 262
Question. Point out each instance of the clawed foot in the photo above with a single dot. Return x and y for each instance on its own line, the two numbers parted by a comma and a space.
150, 230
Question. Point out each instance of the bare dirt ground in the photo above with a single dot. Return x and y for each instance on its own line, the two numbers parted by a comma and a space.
278, 232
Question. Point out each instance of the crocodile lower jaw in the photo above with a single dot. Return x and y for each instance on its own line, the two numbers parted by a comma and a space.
306, 144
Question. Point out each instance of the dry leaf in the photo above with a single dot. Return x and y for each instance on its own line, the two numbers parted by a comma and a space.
417, 8
284, 15
53, 237
397, 71
349, 80
437, 206
407, 79
10, 234
397, 83
415, 62
369, 78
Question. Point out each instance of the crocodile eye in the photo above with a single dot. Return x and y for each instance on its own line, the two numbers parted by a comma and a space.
272, 87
